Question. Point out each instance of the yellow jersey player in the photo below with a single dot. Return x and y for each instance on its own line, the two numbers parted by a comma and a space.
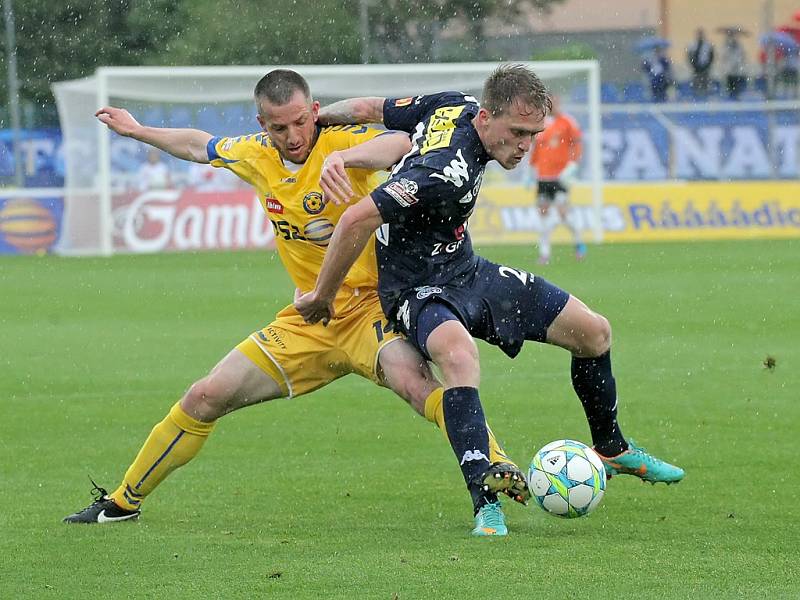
288, 357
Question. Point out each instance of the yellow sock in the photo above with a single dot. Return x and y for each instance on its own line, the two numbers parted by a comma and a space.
434, 412
173, 442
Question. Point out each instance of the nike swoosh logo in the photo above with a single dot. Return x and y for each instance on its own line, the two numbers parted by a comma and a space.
102, 518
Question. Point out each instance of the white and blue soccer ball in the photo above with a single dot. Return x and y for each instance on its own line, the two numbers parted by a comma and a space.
567, 479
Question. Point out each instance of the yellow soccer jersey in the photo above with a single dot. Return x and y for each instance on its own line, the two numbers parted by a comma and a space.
303, 224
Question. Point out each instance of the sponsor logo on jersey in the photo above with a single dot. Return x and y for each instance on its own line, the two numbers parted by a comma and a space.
456, 172
403, 191
472, 455
427, 290
400, 102
441, 127
228, 144
289, 180
318, 231
313, 204
273, 206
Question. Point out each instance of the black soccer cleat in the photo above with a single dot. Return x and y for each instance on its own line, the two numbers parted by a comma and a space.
102, 510
505, 477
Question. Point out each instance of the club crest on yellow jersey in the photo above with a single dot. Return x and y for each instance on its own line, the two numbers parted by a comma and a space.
313, 203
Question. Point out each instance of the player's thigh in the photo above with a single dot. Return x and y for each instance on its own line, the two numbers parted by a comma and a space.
299, 356
580, 330
403, 369
235, 382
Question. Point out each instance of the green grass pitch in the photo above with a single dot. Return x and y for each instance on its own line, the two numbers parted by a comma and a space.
347, 493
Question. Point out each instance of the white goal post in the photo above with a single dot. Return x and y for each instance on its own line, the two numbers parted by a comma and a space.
97, 164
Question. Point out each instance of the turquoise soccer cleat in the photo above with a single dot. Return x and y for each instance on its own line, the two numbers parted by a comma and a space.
490, 521
636, 461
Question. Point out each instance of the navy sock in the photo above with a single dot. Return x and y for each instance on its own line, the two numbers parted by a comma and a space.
466, 428
595, 386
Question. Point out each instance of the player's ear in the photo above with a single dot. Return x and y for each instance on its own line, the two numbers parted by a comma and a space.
261, 121
315, 110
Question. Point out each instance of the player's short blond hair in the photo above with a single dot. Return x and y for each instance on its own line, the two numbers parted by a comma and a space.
515, 82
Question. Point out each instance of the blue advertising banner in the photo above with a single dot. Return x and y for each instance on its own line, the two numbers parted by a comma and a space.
42, 161
647, 143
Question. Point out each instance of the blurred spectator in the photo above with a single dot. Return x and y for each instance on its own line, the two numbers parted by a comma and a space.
790, 63
659, 71
153, 174
700, 55
787, 74
734, 65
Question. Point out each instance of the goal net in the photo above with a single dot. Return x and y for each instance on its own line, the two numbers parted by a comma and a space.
120, 197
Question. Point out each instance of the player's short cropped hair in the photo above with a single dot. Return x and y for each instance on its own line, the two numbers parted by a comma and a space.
278, 86
514, 82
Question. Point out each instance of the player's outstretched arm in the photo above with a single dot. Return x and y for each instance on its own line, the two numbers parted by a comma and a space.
348, 242
187, 144
378, 153
353, 111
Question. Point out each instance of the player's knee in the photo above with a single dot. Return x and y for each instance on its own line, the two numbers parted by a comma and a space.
459, 364
207, 399
598, 339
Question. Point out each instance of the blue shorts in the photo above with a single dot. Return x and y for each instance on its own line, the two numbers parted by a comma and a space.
500, 305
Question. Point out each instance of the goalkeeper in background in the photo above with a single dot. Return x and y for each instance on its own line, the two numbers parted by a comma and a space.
554, 163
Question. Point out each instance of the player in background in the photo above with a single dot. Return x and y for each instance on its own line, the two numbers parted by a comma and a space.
288, 357
154, 173
554, 164
441, 295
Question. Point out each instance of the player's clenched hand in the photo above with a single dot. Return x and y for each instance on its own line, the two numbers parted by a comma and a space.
313, 309
334, 181
118, 120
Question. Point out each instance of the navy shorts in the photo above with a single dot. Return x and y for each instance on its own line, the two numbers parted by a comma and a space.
500, 305
550, 191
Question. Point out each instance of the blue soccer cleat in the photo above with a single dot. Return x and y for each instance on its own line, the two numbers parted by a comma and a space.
636, 461
490, 521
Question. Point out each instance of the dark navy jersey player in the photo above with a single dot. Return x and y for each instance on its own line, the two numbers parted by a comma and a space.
441, 295
430, 195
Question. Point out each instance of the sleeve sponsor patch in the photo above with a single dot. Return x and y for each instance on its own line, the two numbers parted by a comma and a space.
400, 102
403, 191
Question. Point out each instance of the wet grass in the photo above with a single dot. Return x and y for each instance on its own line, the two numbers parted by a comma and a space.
346, 493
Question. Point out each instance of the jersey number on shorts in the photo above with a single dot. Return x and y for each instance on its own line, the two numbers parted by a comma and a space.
509, 272
378, 330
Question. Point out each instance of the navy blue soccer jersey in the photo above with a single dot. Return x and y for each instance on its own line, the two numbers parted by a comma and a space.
430, 195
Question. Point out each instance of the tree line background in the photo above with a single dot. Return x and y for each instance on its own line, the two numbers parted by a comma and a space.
62, 40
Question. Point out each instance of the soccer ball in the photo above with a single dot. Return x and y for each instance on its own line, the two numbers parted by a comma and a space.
567, 478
